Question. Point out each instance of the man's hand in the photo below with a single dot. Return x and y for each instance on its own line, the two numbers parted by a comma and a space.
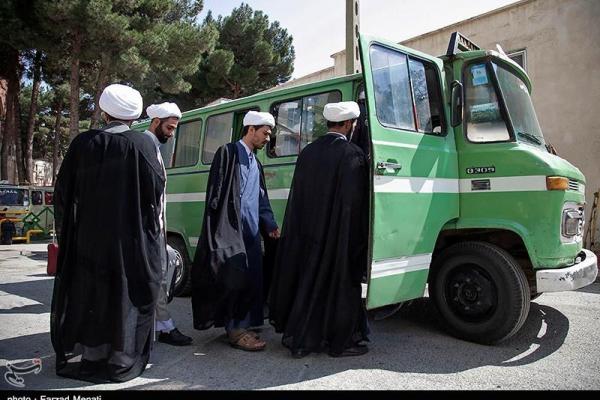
275, 234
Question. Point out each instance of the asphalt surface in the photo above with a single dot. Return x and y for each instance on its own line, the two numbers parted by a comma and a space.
558, 347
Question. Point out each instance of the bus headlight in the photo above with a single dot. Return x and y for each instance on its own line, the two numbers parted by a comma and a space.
572, 222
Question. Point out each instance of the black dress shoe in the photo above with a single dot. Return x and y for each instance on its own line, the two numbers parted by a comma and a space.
357, 350
174, 338
89, 368
300, 353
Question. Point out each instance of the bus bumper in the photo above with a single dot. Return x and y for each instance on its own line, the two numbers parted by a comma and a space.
570, 278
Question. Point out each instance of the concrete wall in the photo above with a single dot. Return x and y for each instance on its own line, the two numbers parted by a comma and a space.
314, 77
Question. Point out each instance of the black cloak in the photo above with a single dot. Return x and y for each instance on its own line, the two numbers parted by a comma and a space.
222, 287
107, 204
315, 298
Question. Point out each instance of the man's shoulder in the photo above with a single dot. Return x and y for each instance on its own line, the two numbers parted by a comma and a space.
85, 136
139, 139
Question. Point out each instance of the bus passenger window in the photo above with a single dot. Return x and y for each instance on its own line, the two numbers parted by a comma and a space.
314, 124
48, 198
187, 144
36, 197
298, 123
218, 132
285, 137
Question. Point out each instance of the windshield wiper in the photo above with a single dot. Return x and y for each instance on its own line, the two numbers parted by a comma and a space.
530, 137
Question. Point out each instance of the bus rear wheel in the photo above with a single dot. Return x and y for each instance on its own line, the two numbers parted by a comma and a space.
183, 280
480, 292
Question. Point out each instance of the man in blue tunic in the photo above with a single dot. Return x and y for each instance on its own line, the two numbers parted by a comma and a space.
227, 270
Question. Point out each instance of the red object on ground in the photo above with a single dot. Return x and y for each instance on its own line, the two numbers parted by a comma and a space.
52, 259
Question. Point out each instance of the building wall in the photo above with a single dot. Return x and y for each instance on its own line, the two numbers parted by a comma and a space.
314, 77
3, 88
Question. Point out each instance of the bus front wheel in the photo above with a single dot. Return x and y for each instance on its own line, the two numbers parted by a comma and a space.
480, 292
183, 280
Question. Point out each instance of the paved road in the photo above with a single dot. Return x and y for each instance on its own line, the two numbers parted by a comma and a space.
558, 347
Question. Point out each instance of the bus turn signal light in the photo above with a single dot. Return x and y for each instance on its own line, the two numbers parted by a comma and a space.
557, 183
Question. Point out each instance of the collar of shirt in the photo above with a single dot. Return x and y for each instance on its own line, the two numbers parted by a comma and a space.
248, 151
338, 134
154, 138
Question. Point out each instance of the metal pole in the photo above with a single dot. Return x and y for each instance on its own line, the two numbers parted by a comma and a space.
352, 32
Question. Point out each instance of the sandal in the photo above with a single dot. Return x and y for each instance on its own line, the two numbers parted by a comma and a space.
247, 341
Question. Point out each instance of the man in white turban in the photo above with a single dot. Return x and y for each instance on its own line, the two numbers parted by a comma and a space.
227, 274
316, 291
164, 119
107, 211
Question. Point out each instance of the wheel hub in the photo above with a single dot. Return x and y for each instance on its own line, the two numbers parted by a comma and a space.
472, 295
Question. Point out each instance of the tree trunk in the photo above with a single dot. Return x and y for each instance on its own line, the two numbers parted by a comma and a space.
74, 82
8, 159
237, 91
35, 91
100, 85
20, 177
56, 148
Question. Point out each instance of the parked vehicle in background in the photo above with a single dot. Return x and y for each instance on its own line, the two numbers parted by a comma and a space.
30, 208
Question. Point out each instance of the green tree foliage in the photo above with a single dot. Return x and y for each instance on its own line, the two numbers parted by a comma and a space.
56, 57
251, 55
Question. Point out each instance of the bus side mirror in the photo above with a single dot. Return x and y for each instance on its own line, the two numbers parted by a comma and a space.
457, 103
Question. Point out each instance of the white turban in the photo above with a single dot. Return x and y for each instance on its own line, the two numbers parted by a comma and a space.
163, 110
255, 118
121, 102
343, 111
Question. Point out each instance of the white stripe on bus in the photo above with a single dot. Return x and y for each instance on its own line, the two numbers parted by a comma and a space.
186, 197
402, 265
392, 184
508, 184
415, 146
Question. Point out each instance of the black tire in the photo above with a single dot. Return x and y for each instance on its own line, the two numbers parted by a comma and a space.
183, 281
480, 292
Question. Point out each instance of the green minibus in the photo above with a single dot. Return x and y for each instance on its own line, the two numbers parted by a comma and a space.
469, 206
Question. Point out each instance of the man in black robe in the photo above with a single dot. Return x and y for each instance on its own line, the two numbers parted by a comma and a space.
164, 118
315, 298
227, 273
107, 204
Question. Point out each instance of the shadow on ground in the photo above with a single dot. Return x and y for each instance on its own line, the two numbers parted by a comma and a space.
409, 342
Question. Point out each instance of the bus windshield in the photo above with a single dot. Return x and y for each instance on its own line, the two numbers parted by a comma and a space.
520, 107
13, 197
486, 121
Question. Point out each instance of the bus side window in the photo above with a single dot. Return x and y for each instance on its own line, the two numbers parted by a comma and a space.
407, 92
36, 197
298, 123
48, 198
427, 96
218, 132
187, 144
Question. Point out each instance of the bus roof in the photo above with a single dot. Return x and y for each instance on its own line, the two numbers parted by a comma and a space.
259, 96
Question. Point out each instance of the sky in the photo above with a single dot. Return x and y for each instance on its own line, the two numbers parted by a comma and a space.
318, 26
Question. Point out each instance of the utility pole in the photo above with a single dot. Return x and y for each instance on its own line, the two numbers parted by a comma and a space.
352, 32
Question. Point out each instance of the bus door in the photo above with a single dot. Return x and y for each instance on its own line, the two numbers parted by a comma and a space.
415, 181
